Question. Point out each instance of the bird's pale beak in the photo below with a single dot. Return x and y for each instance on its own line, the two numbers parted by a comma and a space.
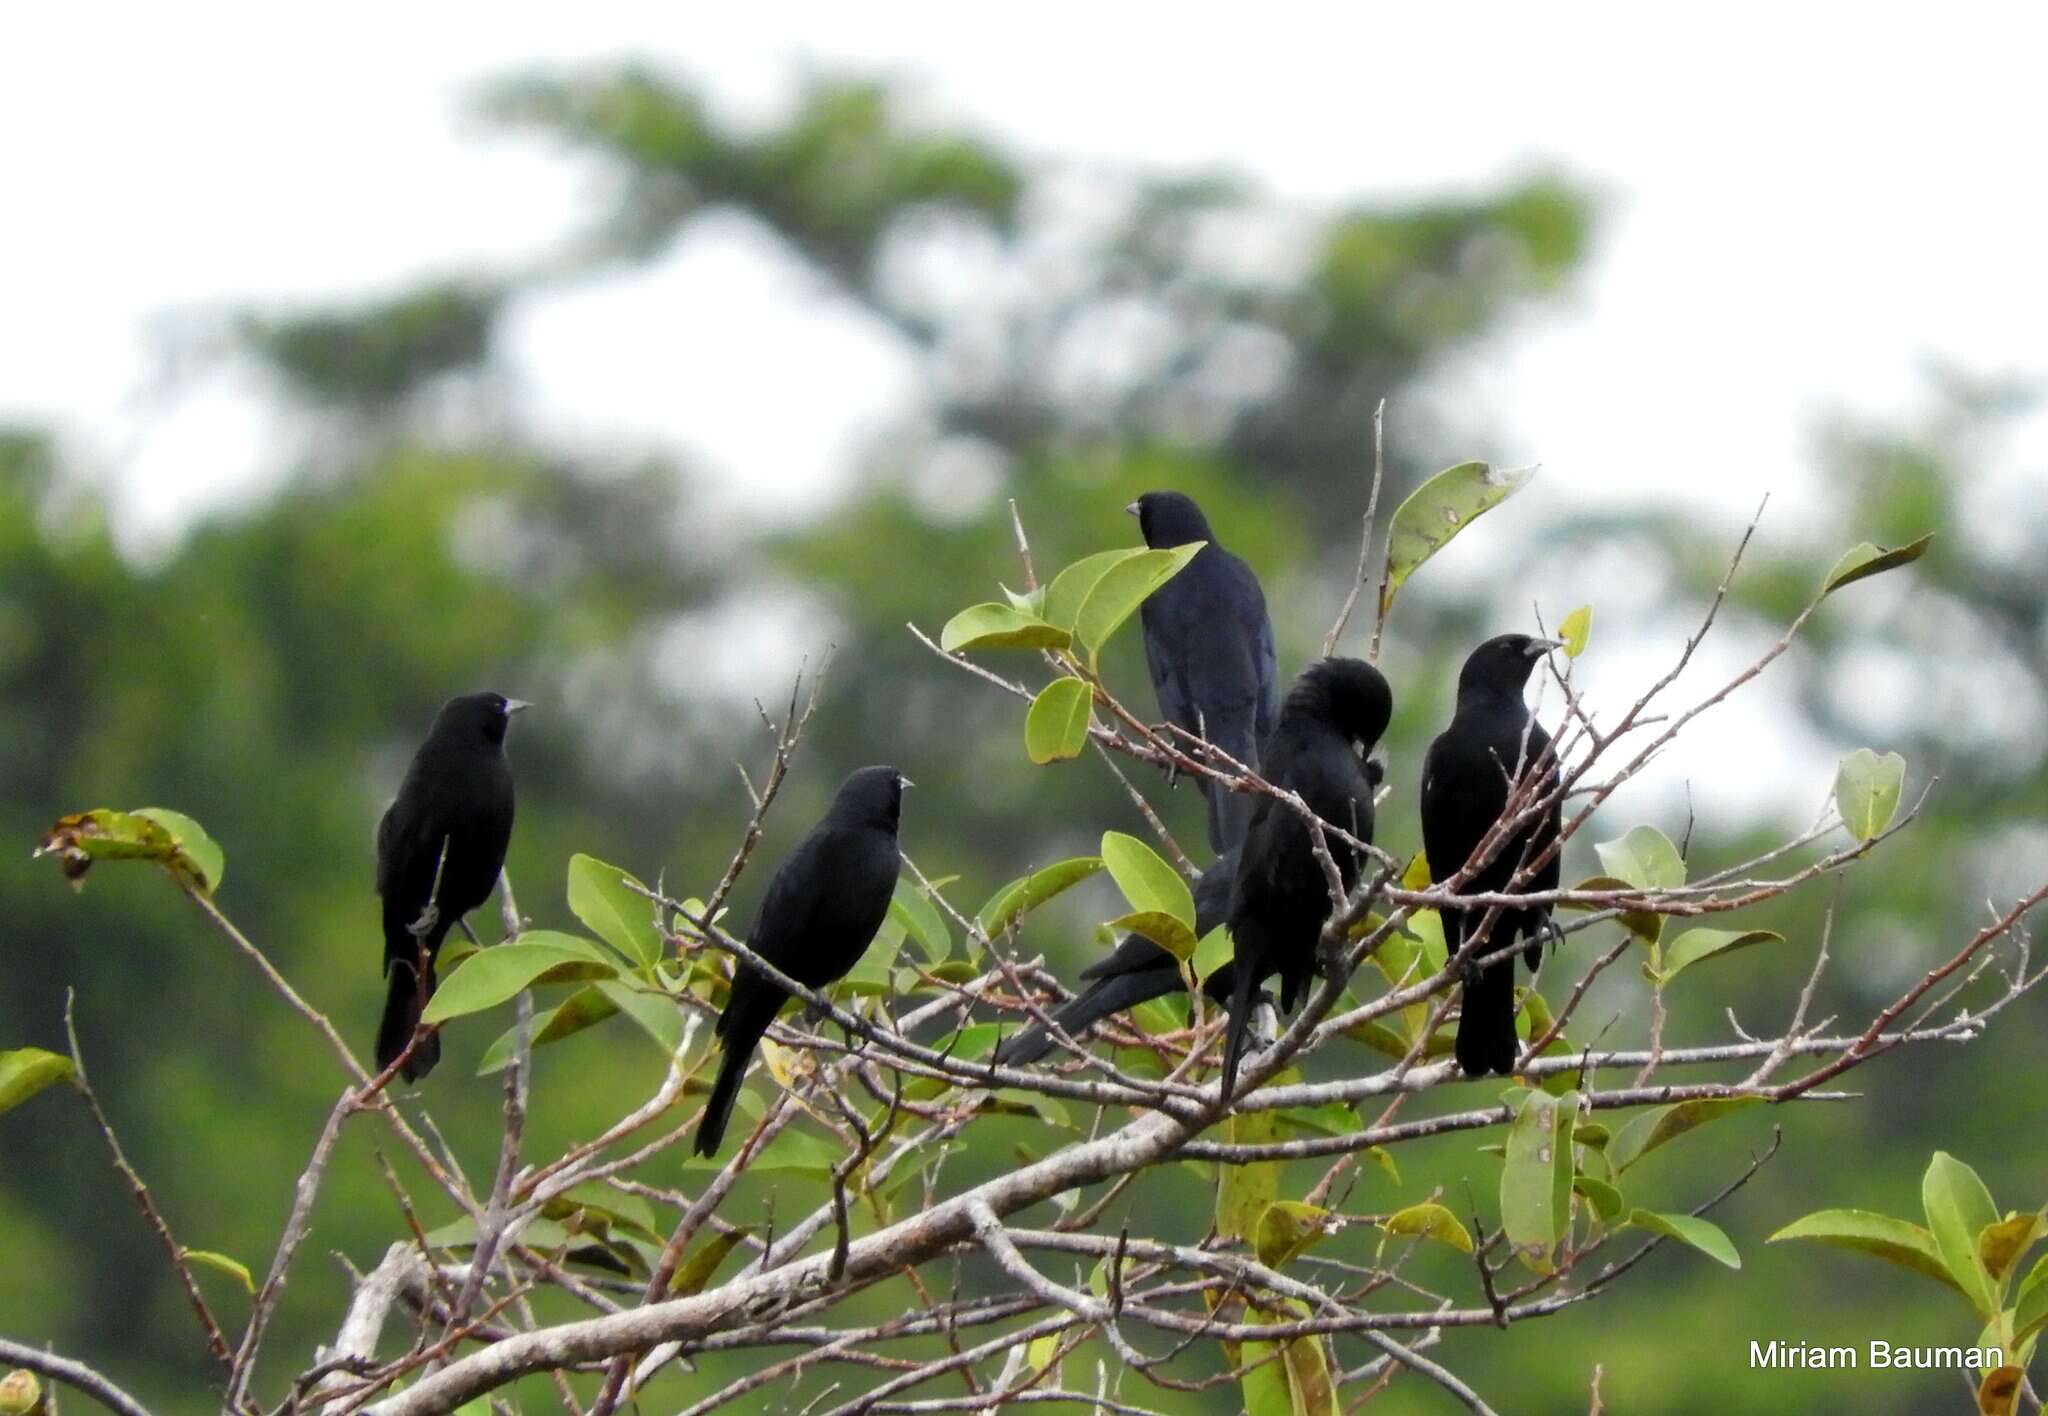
903, 781
1539, 647
1132, 509
516, 705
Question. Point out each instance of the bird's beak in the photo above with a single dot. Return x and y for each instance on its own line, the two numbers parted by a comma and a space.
516, 705
1539, 647
903, 781
1132, 508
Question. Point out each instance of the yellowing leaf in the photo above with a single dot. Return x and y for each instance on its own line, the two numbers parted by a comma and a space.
1575, 629
1431, 1221
221, 1263
1056, 727
26, 1071
1288, 1229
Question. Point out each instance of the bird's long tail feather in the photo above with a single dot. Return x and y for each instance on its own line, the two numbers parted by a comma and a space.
743, 1023
1099, 1001
1486, 1021
403, 1000
1240, 1023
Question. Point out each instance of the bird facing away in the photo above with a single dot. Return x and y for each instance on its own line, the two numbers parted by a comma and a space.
456, 799
1135, 971
825, 903
1332, 719
1209, 645
1493, 739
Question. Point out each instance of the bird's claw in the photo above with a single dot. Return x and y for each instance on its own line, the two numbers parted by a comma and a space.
424, 925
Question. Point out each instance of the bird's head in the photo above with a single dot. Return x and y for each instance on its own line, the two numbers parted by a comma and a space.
1350, 694
1502, 665
872, 796
1170, 519
476, 716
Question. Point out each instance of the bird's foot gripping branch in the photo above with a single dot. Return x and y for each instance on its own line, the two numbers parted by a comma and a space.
962, 1187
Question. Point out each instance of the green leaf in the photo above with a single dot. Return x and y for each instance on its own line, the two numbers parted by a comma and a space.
1867, 789
1645, 858
614, 911
1026, 894
658, 1015
992, 626
1646, 925
1603, 1197
490, 976
1056, 727
153, 834
1123, 587
1212, 951
1647, 1130
2030, 1310
1865, 559
1147, 881
585, 1008
1575, 629
1536, 1183
26, 1071
1161, 928
1895, 1241
1702, 1234
1959, 1208
220, 1263
1246, 1190
1431, 1221
1696, 944
696, 1270
1069, 589
1287, 1229
1438, 510
920, 919
196, 851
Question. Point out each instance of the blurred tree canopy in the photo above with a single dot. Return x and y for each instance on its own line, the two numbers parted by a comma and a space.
1079, 338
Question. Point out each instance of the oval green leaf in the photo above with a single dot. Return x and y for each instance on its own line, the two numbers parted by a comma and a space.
1056, 727
220, 1263
1894, 1240
993, 626
1536, 1182
1431, 1221
1287, 1229
703, 1261
1575, 629
1603, 1197
601, 896
194, 851
491, 976
1438, 510
1212, 951
920, 919
1702, 1234
1123, 587
1867, 789
1864, 559
1069, 589
1161, 928
2030, 1310
1697, 944
1645, 858
27, 1070
1648, 1130
1148, 882
1021, 896
585, 1008
1959, 1208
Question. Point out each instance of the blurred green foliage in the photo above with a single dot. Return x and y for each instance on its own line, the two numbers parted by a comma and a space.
270, 674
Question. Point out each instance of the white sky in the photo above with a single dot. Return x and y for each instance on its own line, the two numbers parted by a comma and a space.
1803, 206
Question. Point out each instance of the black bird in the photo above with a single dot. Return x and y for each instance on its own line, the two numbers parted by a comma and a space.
1332, 718
1135, 971
1492, 739
1209, 645
456, 799
822, 909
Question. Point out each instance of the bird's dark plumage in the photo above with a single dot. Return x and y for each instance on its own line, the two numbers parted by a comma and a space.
1135, 971
1492, 739
825, 903
1332, 718
457, 796
1209, 645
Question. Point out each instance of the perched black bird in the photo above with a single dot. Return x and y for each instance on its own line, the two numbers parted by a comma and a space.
1493, 739
1135, 971
1209, 646
822, 909
1332, 718
456, 799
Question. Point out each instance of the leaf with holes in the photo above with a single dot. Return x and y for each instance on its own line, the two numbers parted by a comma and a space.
155, 834
1438, 510
1536, 1183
